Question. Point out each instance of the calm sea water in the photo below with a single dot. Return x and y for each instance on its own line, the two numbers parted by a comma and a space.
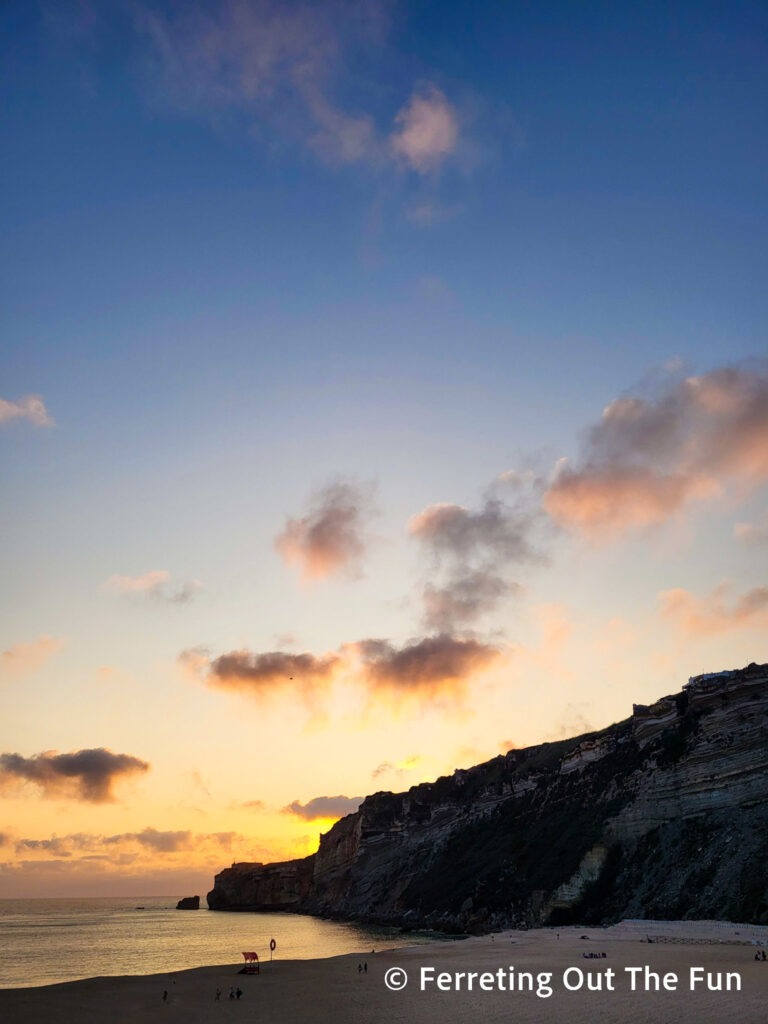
46, 941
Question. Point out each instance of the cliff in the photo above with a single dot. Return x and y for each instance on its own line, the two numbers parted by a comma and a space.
662, 815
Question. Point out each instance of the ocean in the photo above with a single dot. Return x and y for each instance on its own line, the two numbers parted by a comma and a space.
43, 941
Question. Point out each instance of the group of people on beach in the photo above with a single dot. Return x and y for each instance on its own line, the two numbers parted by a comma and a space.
760, 955
234, 993
593, 956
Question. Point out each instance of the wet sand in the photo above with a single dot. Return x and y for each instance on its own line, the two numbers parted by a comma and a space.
325, 991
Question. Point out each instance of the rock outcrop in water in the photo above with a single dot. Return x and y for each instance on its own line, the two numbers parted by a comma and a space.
663, 815
189, 903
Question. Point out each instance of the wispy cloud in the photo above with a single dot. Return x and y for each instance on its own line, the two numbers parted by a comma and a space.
278, 65
330, 539
721, 611
752, 533
648, 459
86, 775
473, 551
155, 584
156, 841
324, 807
399, 768
23, 659
30, 408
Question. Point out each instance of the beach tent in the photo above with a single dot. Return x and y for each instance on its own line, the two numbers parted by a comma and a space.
251, 963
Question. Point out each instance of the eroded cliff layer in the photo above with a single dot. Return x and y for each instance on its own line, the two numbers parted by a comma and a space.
662, 815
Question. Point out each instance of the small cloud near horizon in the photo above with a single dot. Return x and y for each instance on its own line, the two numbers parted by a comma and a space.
155, 584
324, 807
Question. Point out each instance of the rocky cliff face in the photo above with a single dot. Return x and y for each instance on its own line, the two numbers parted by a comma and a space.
662, 815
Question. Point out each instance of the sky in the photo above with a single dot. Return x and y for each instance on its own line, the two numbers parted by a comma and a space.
384, 386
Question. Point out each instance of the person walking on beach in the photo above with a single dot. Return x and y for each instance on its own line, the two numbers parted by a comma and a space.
365, 967
239, 992
165, 995
217, 997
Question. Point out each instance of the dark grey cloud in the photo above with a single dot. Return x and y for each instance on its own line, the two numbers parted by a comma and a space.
260, 674
425, 666
330, 539
88, 775
473, 552
324, 807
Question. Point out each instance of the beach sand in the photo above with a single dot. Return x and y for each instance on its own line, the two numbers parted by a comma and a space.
325, 991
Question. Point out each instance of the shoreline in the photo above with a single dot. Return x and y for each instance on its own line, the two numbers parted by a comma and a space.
333, 989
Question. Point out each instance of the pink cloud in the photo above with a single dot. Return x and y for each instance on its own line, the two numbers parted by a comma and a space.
427, 132
647, 460
30, 407
331, 538
717, 612
22, 659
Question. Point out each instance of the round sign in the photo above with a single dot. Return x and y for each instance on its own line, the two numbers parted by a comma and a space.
272, 945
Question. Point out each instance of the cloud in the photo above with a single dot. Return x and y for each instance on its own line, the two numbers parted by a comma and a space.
465, 599
30, 407
112, 846
399, 769
261, 674
752, 533
427, 130
275, 70
331, 538
249, 805
324, 807
648, 459
429, 212
155, 840
155, 584
424, 667
604, 501
421, 668
717, 612
272, 64
87, 775
22, 659
495, 530
474, 550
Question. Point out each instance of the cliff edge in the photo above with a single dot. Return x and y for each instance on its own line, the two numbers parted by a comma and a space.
663, 815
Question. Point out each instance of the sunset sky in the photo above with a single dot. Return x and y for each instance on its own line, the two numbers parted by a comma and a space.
384, 386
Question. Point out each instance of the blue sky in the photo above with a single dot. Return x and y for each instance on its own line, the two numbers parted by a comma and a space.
249, 249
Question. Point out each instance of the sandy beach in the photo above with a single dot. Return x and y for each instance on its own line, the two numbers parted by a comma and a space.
334, 990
